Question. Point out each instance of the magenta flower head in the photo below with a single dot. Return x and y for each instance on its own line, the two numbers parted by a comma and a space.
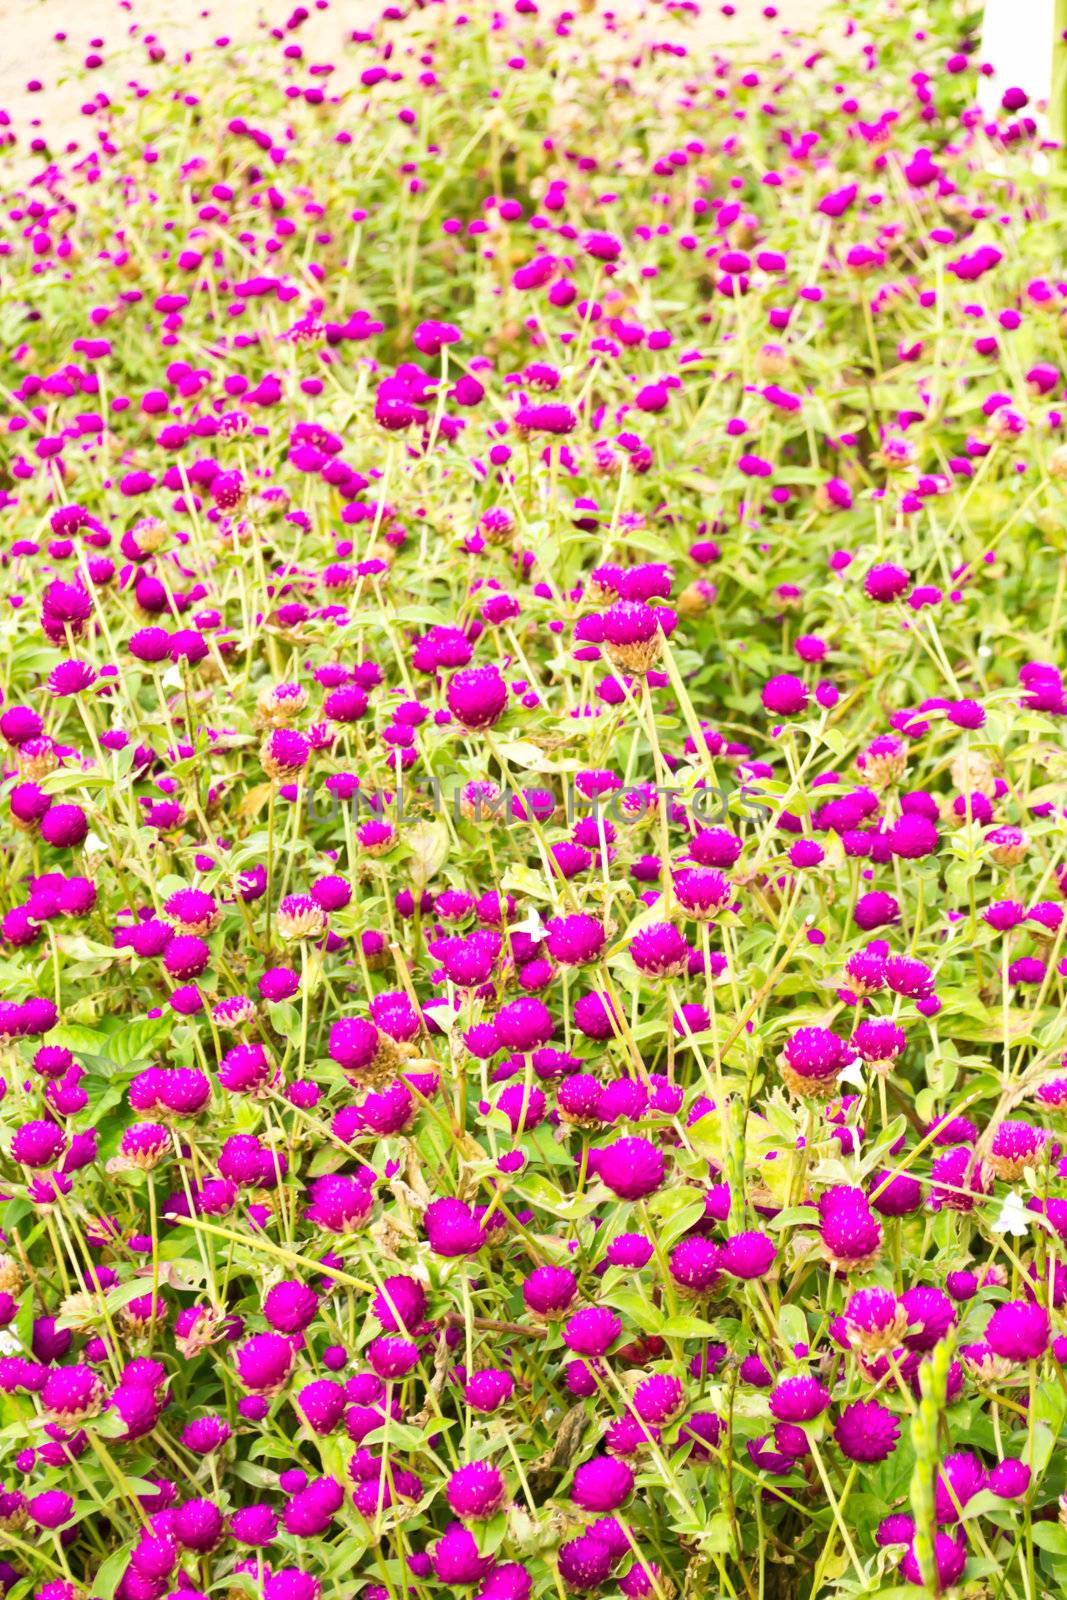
866, 1431
452, 1228
798, 1399
585, 1562
851, 1236
660, 951
886, 583
322, 1405
703, 893
592, 1331
51, 1509
488, 1390
264, 1362
959, 1479
255, 1526
632, 636
476, 1492
880, 1043
477, 697
696, 1265
602, 1484
876, 1321
400, 1303
1009, 1479
811, 1060
524, 1025
631, 1168
748, 1255
290, 1307
456, 1559
574, 941
198, 1526
950, 1558
785, 695
1015, 1146
38, 1144
549, 1291
1018, 1331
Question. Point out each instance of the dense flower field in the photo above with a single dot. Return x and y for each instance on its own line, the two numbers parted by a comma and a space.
533, 825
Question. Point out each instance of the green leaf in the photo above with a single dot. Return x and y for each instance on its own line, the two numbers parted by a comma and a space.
1051, 1537
110, 1571
138, 1040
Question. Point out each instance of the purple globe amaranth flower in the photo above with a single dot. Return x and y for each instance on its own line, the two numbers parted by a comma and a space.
574, 940
549, 1291
702, 893
38, 1144
930, 1315
456, 1558
585, 1562
811, 1060
264, 1362
696, 1265
866, 1431
659, 1398
1018, 1331
322, 1405
602, 1484
632, 635
488, 1390
400, 1303
631, 1168
255, 1525
290, 1307
476, 1492
851, 1236
960, 1478
592, 1331
660, 951
748, 1255
798, 1399
950, 1558
477, 697
1009, 1479
785, 695
880, 1043
524, 1025
51, 1509
198, 1525
452, 1228
876, 1320
1014, 1147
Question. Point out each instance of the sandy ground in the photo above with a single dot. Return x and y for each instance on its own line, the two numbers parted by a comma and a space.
44, 44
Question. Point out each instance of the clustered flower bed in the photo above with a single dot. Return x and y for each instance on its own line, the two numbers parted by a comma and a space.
534, 843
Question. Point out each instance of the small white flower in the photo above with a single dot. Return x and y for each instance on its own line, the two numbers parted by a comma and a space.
1013, 1217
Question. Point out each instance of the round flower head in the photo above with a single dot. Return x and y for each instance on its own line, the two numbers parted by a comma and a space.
602, 1484
477, 697
1015, 1146
961, 1476
851, 1236
748, 1255
811, 1060
799, 1399
264, 1362
1018, 1331
632, 636
585, 1562
548, 1291
950, 1558
456, 1559
476, 1492
866, 1431
660, 951
876, 1320
631, 1168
